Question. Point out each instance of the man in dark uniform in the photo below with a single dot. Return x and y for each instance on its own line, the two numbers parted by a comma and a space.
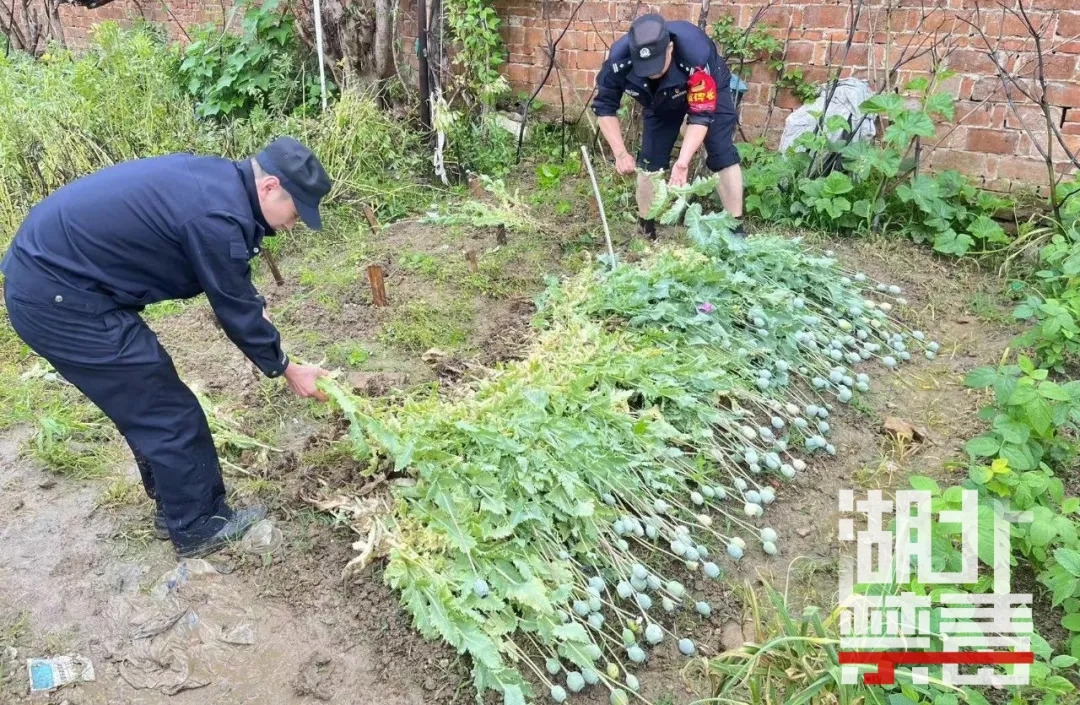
93, 254
674, 70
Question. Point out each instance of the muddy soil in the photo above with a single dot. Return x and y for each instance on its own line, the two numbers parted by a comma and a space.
68, 567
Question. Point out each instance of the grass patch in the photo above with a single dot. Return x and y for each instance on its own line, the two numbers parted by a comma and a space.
165, 309
122, 492
71, 436
418, 326
76, 441
501, 272
349, 353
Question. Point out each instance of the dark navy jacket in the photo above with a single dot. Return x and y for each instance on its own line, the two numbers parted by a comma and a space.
148, 230
693, 49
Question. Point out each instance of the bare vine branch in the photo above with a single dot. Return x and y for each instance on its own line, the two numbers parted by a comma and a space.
552, 48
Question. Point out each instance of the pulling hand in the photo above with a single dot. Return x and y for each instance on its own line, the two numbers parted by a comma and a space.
624, 164
302, 379
679, 174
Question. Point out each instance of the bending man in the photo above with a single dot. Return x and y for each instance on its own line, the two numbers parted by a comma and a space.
94, 253
674, 70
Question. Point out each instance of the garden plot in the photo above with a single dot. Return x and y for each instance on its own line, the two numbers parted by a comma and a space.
311, 451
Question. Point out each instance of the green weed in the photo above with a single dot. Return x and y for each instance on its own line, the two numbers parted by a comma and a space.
793, 658
165, 309
349, 353
419, 325
419, 262
122, 492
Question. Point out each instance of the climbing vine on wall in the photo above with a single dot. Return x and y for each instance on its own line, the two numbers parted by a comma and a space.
742, 48
479, 49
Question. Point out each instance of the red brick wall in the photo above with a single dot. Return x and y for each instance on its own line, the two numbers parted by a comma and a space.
990, 144
77, 21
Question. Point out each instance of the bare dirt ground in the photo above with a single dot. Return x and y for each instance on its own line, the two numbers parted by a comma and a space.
67, 577
68, 565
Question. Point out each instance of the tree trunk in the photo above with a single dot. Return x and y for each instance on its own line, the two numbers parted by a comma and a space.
384, 49
348, 34
30, 25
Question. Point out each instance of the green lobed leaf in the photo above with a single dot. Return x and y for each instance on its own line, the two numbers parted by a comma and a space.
983, 446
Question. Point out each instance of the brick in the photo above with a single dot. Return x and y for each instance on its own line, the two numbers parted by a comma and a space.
584, 60
971, 61
1031, 116
759, 72
752, 116
998, 24
991, 141
1027, 147
985, 88
962, 161
1069, 24
1063, 94
859, 56
1060, 67
952, 137
598, 11
685, 13
787, 100
800, 52
1028, 171
826, 16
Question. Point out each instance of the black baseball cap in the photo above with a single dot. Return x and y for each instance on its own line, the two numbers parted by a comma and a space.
301, 175
649, 41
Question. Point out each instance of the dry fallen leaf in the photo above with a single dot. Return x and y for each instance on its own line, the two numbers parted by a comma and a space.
902, 429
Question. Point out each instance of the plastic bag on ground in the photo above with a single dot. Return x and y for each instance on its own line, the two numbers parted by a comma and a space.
261, 538
846, 102
181, 636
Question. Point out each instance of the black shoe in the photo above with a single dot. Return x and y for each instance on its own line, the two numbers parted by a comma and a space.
739, 232
233, 530
161, 529
647, 228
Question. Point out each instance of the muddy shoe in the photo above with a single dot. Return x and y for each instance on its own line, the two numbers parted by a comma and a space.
233, 530
161, 529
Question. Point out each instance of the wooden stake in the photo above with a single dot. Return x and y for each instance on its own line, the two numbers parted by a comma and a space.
378, 287
371, 219
500, 235
476, 189
594, 210
471, 258
278, 279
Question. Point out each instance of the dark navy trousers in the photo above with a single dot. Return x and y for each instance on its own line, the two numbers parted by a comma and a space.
114, 359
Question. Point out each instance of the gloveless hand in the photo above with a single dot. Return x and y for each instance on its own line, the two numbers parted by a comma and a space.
624, 164
679, 174
302, 378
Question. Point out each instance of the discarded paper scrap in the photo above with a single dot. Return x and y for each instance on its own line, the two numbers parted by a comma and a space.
52, 673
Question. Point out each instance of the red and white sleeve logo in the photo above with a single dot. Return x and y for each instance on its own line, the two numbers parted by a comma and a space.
701, 91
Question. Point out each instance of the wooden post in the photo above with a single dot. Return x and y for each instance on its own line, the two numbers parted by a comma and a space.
422, 61
476, 189
594, 210
378, 287
371, 219
500, 235
471, 258
278, 279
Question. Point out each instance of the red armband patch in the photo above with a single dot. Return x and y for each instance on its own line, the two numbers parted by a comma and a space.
701, 92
